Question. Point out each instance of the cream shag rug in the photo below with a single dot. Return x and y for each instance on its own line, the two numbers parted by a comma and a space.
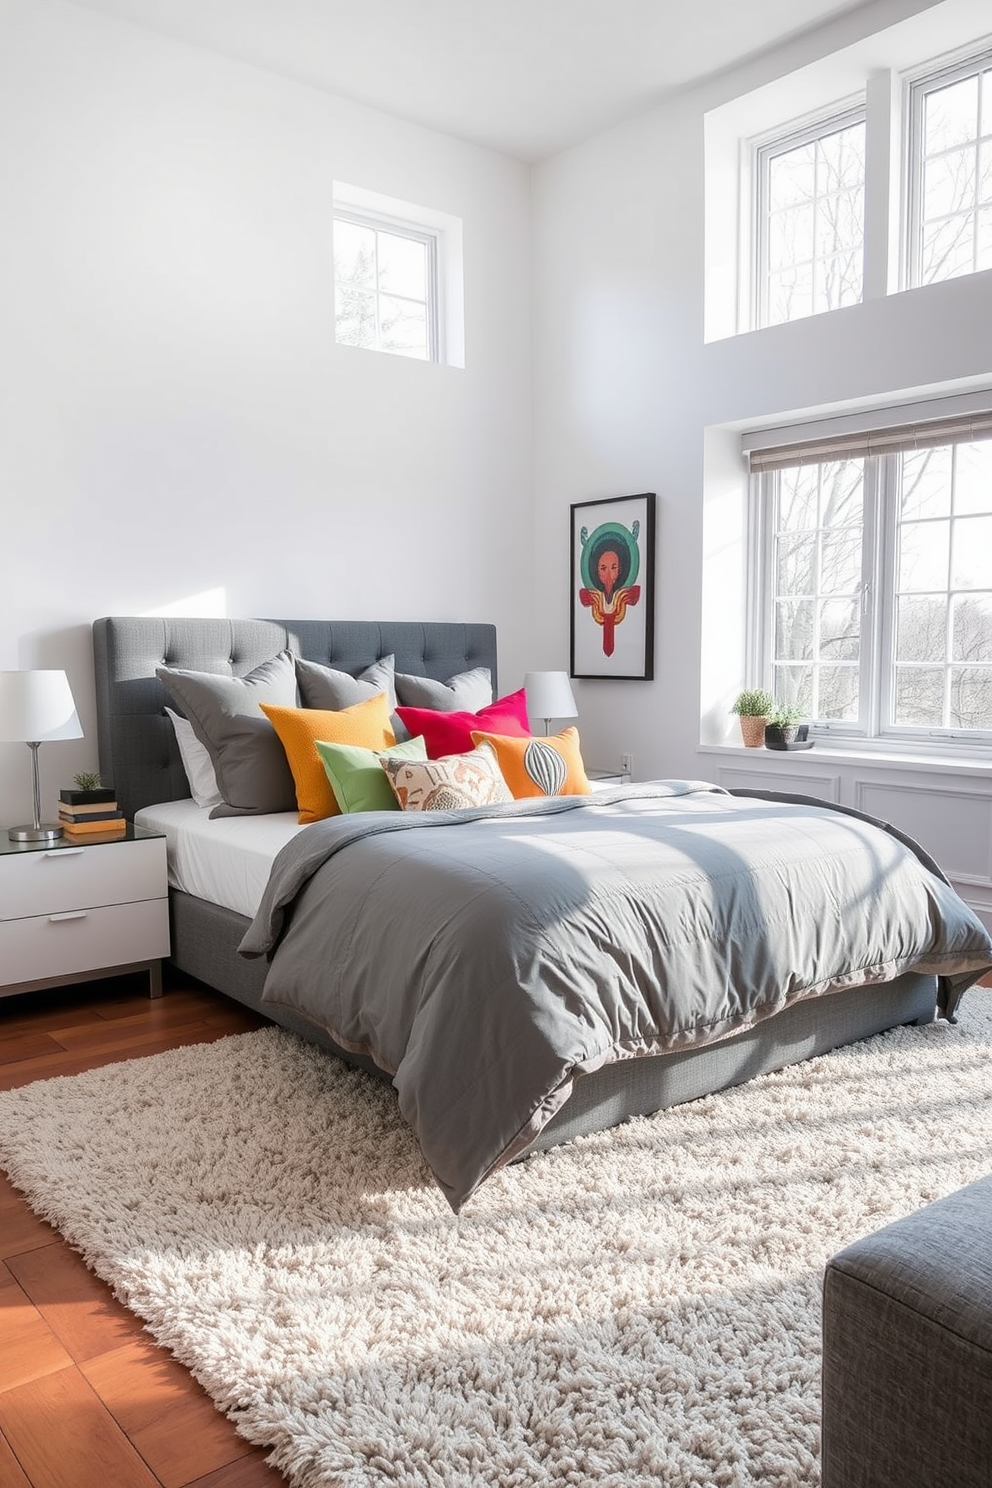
640, 1307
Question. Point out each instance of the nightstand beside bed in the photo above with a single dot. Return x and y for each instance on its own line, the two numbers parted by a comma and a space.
71, 911
600, 779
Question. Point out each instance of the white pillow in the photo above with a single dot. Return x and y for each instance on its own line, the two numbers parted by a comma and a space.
197, 763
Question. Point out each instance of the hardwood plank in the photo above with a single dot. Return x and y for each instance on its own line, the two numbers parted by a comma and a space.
158, 1404
80, 1309
22, 1231
45, 1012
26, 1046
133, 1033
74, 1062
11, 1473
247, 1472
28, 1347
20, 1228
63, 1436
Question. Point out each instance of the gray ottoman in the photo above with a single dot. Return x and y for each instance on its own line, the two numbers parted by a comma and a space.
907, 1351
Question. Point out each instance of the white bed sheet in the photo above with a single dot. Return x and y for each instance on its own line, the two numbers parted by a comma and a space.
226, 860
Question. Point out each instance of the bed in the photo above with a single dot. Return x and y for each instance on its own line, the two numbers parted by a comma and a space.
263, 958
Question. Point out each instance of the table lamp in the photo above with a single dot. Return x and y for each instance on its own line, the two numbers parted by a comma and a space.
36, 707
549, 696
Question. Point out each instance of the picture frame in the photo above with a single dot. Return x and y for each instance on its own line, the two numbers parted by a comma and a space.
612, 588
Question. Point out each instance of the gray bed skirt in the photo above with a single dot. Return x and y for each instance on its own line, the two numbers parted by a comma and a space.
206, 938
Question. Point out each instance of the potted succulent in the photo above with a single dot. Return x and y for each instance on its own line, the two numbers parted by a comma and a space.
783, 726
753, 706
87, 791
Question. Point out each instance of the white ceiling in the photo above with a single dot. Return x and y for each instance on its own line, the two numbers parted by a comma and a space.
526, 77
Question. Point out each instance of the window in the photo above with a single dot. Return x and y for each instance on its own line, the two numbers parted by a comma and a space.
872, 580
385, 286
950, 132
809, 213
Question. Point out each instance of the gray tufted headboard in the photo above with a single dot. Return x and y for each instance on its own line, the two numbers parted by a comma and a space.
138, 751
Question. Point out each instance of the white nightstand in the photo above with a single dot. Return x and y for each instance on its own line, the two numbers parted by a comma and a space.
600, 779
71, 911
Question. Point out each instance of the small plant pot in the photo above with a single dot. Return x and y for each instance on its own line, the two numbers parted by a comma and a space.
752, 731
788, 736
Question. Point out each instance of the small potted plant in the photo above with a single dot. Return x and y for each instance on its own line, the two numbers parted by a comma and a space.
87, 791
783, 726
754, 706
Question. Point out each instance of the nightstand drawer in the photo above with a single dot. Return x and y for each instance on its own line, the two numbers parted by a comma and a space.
49, 880
60, 944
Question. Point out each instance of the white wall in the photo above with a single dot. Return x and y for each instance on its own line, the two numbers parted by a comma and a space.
629, 397
177, 427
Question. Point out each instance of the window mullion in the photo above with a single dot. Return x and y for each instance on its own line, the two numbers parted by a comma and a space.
878, 612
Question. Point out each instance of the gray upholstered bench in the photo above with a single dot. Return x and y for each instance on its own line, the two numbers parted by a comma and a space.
907, 1351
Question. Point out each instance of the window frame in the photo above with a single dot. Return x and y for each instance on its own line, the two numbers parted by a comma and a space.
917, 86
762, 149
415, 232
875, 728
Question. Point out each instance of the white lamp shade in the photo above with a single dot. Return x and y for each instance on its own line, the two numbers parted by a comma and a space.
549, 695
37, 706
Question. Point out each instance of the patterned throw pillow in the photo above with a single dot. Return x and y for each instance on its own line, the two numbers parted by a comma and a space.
549, 766
460, 780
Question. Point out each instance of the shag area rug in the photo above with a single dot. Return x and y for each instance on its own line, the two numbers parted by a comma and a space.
641, 1307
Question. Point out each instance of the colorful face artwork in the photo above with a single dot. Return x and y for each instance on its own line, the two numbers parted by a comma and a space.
609, 565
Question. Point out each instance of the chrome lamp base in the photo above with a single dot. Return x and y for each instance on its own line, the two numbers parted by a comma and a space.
39, 831
42, 832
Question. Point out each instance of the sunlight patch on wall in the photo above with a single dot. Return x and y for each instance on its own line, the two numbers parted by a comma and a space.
209, 604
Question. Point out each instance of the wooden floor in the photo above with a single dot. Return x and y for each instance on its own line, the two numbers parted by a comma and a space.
87, 1399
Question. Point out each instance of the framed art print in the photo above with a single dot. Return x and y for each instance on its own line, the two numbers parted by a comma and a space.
612, 628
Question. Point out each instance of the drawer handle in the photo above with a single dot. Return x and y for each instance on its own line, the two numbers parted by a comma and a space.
73, 914
63, 852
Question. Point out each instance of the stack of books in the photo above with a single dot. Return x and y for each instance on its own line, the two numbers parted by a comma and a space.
91, 813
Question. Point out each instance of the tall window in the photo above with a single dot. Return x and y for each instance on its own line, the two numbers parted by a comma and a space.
385, 286
810, 219
872, 559
950, 219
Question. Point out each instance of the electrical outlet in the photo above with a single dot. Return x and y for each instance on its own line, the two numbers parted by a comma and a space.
627, 764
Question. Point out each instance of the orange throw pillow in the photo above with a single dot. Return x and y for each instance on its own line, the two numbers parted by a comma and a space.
365, 723
550, 766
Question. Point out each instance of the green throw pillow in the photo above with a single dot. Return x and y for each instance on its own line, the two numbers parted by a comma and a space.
357, 778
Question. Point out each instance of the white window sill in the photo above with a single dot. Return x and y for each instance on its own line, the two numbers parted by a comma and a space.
886, 759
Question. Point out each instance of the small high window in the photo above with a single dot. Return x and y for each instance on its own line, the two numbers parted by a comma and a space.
385, 287
397, 277
950, 177
809, 211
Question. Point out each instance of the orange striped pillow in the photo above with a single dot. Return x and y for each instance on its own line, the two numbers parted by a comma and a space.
550, 766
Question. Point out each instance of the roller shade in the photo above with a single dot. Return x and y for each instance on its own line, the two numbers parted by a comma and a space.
857, 444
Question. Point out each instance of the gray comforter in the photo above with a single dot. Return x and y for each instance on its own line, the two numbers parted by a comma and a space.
484, 958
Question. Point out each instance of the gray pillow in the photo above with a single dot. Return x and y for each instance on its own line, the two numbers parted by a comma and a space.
465, 693
253, 774
325, 687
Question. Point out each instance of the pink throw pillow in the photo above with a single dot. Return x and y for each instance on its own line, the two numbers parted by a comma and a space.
451, 733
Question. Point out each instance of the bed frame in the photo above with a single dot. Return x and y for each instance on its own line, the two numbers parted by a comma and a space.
140, 758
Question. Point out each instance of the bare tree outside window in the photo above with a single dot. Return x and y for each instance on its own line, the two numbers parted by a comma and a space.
383, 289
811, 227
952, 175
942, 662
817, 601
878, 608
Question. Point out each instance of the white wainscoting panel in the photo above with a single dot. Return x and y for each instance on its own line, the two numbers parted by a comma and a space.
824, 787
953, 822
